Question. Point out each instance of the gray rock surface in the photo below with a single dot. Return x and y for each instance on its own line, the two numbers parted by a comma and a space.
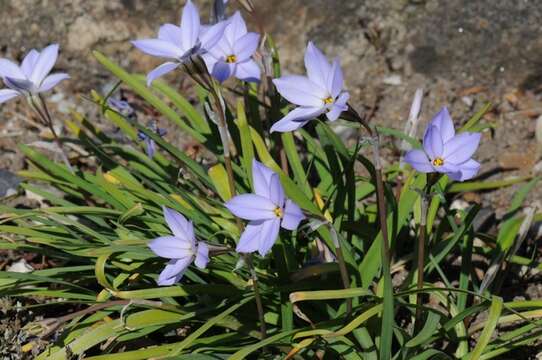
8, 183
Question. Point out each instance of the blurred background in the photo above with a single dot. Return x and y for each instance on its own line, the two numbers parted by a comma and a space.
463, 53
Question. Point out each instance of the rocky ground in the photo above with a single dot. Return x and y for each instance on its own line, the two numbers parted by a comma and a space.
463, 54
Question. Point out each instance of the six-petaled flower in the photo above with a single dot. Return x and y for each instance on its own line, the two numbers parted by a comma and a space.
232, 55
179, 43
320, 92
444, 151
32, 77
268, 210
181, 248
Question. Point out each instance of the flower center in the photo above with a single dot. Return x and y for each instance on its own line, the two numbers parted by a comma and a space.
438, 161
328, 100
278, 212
230, 59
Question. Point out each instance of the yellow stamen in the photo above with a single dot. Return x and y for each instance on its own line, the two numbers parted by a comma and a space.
231, 59
328, 100
438, 161
278, 212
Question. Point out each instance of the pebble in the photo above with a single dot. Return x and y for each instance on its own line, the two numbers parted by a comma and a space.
8, 183
20, 266
393, 80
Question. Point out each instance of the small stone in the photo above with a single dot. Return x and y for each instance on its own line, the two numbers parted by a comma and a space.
8, 183
393, 80
468, 100
459, 204
20, 266
397, 63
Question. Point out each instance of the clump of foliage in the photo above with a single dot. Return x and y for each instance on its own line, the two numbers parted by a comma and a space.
320, 285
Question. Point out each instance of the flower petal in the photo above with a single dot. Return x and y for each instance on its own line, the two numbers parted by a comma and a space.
44, 63
276, 191
432, 142
171, 247
170, 33
160, 71
21, 85
248, 71
461, 147
261, 176
179, 226
52, 80
297, 118
419, 161
173, 271
251, 207
190, 26
202, 255
222, 71
157, 47
292, 215
317, 65
443, 121
300, 90
9, 69
212, 35
335, 80
250, 238
236, 28
150, 147
246, 46
269, 234
338, 107
7, 94
447, 168
467, 170
29, 62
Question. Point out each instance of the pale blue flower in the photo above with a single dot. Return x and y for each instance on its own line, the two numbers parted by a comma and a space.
268, 210
232, 55
444, 151
32, 77
320, 92
181, 248
179, 43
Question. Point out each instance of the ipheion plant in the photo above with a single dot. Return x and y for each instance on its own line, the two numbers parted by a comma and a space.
30, 80
268, 210
179, 44
228, 49
181, 248
444, 151
32, 76
320, 92
232, 55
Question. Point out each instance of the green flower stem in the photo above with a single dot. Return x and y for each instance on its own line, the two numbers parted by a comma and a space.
219, 108
257, 296
422, 240
421, 255
43, 112
342, 265
388, 308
